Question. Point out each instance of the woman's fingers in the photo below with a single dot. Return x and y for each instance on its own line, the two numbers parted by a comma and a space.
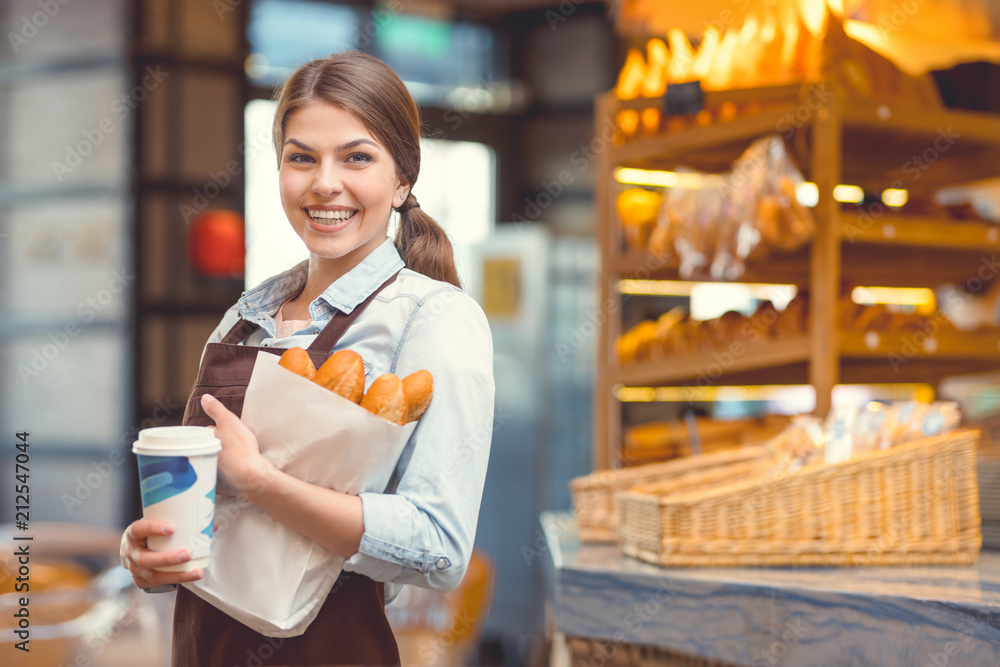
220, 414
141, 562
139, 530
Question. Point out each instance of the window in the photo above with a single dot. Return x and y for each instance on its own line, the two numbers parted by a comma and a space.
437, 59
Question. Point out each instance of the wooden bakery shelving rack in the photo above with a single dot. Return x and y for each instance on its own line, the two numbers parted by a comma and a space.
841, 140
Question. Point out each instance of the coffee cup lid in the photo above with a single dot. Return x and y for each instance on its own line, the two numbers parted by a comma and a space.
177, 441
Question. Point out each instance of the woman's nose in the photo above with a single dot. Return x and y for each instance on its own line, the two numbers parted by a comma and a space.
326, 181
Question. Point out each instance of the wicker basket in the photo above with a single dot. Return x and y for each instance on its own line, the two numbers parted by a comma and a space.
595, 505
915, 504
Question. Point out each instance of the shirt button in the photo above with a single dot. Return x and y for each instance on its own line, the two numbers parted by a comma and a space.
267, 345
442, 563
246, 304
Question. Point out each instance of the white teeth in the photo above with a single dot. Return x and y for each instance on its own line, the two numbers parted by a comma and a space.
330, 215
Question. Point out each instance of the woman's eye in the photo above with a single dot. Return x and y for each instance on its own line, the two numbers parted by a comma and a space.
299, 158
359, 158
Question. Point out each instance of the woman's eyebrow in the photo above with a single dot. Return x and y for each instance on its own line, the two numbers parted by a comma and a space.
342, 147
357, 142
298, 143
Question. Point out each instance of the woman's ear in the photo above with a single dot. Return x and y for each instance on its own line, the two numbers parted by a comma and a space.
402, 191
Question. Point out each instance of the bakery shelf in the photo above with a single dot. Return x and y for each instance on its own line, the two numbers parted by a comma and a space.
784, 269
717, 145
918, 344
883, 145
922, 231
711, 366
866, 357
843, 140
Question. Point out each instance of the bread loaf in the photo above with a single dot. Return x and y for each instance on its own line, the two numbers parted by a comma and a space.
418, 389
344, 374
297, 360
385, 398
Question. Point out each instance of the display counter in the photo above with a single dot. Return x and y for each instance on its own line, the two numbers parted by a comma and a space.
614, 610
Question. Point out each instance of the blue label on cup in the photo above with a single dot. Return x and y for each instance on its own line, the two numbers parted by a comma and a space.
162, 477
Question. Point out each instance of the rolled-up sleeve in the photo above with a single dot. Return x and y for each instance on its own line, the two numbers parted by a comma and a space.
424, 532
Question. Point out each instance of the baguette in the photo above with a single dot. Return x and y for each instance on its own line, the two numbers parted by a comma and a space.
418, 388
385, 398
297, 360
344, 374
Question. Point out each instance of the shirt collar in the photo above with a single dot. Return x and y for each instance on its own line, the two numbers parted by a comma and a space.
358, 284
343, 294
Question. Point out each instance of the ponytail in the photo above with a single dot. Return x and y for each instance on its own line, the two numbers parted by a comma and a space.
423, 244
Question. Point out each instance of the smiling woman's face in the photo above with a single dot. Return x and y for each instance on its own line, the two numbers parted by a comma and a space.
337, 183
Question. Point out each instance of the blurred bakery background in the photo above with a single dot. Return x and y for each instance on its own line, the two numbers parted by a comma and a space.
687, 222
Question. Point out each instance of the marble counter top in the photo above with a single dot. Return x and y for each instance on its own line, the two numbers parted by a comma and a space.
908, 616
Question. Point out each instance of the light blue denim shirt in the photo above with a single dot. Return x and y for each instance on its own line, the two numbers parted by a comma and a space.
422, 533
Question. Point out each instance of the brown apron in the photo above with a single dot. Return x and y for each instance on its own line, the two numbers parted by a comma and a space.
351, 628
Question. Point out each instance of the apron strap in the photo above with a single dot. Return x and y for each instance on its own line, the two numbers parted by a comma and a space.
239, 333
327, 338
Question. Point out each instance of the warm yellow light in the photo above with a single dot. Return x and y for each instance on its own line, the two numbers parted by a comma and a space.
758, 291
685, 394
882, 392
899, 296
894, 197
807, 193
655, 287
848, 194
661, 179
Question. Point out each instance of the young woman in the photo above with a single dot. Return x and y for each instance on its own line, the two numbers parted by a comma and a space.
347, 136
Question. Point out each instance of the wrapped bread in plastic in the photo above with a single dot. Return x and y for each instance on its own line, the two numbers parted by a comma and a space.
637, 210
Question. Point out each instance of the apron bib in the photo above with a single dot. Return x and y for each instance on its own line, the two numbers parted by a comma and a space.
351, 628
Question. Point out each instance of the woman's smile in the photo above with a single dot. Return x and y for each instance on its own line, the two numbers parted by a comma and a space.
326, 220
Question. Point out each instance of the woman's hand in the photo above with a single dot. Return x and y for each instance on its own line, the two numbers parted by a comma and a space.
140, 561
242, 468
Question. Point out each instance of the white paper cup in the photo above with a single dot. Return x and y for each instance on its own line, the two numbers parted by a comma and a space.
177, 473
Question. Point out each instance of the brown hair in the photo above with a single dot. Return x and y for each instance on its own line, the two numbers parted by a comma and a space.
372, 92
